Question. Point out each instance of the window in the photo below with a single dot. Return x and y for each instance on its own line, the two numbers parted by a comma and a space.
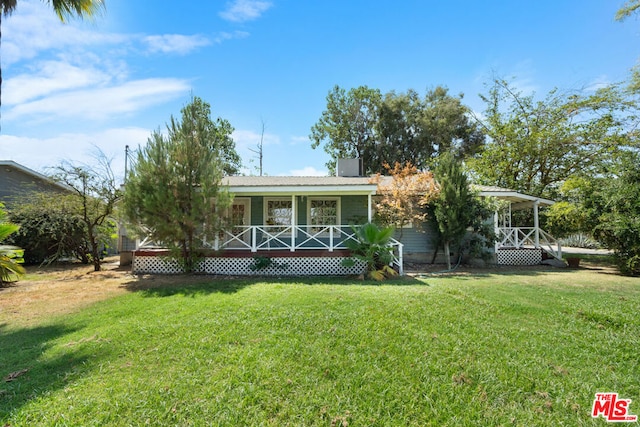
278, 212
323, 212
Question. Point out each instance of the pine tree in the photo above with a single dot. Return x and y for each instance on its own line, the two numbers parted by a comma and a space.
174, 191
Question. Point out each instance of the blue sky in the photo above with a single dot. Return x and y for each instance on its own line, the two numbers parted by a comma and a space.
109, 82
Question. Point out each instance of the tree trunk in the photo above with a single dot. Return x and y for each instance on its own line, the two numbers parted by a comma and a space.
447, 254
95, 252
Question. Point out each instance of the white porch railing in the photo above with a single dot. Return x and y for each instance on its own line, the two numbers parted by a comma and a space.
528, 237
256, 238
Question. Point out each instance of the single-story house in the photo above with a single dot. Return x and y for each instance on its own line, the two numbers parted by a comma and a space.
301, 224
18, 181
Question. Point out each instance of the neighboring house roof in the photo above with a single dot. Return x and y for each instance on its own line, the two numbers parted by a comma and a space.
17, 180
336, 185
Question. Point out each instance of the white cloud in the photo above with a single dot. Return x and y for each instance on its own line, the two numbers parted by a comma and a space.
300, 140
308, 171
598, 83
245, 10
175, 43
42, 153
224, 36
249, 138
50, 77
33, 28
101, 102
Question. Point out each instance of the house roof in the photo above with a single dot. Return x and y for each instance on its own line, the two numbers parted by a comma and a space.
10, 164
300, 185
518, 200
339, 185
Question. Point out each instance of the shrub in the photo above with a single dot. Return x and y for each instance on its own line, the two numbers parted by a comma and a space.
372, 246
10, 256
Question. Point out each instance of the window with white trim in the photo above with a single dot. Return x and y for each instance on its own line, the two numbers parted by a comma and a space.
322, 212
277, 212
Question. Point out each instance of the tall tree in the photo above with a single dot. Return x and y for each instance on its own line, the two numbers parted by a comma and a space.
347, 126
606, 206
456, 208
174, 189
535, 145
95, 193
418, 130
63, 8
395, 128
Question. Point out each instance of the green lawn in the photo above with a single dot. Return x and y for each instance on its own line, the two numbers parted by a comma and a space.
487, 349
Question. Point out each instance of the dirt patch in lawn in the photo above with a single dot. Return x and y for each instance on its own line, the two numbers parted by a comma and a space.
53, 290
50, 291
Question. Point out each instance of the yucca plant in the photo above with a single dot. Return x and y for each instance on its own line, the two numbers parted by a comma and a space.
10, 256
372, 246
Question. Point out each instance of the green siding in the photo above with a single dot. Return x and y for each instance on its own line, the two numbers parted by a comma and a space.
257, 210
302, 209
354, 210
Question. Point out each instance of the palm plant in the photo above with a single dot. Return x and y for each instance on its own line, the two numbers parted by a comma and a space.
10, 256
372, 246
63, 8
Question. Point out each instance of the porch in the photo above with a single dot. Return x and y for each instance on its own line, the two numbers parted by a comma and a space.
292, 250
300, 222
521, 245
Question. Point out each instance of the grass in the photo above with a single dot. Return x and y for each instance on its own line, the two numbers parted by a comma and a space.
491, 348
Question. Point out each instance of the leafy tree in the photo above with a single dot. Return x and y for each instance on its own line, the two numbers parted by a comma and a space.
619, 220
10, 256
94, 195
394, 128
628, 9
51, 228
608, 207
411, 129
456, 208
404, 195
347, 126
63, 8
536, 145
174, 189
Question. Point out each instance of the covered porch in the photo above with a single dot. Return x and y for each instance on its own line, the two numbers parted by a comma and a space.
285, 218
516, 244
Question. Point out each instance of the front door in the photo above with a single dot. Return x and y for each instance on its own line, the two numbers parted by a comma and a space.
240, 217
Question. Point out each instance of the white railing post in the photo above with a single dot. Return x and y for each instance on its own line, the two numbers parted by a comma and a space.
254, 239
331, 238
536, 223
294, 223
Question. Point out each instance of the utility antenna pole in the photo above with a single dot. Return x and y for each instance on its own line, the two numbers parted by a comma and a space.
126, 162
259, 150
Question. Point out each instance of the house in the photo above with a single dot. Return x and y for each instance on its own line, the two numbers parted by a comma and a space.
301, 224
17, 181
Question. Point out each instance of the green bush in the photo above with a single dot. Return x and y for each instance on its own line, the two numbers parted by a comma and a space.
50, 230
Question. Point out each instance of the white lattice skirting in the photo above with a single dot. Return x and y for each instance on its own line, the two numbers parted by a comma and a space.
281, 266
519, 256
